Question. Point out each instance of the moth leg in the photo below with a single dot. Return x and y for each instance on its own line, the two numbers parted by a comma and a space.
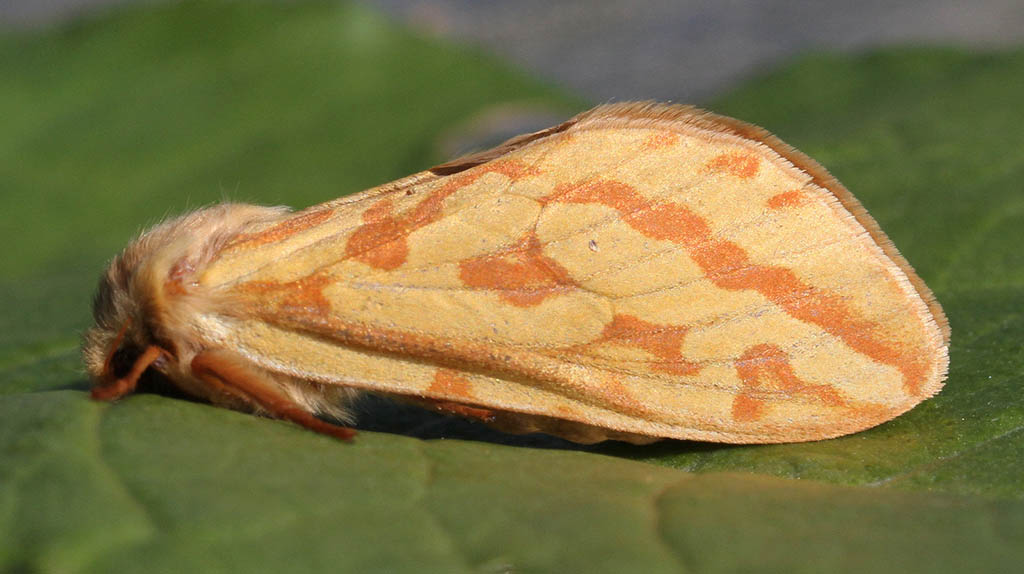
228, 373
126, 384
485, 415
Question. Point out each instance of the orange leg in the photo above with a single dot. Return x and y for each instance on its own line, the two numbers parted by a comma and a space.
462, 410
228, 373
126, 384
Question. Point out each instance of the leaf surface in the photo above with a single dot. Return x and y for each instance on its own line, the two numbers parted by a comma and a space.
114, 122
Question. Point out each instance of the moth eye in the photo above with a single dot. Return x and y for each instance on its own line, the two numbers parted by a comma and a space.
122, 360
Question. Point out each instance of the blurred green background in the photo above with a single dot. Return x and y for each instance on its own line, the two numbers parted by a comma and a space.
112, 117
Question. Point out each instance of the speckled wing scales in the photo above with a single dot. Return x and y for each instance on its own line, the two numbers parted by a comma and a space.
646, 269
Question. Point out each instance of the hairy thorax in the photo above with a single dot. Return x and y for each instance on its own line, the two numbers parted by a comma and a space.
151, 294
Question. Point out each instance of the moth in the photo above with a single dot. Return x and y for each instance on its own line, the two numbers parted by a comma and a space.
641, 271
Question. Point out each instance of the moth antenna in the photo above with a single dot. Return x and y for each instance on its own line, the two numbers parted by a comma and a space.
126, 384
235, 378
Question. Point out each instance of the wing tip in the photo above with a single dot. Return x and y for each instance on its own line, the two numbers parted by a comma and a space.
657, 113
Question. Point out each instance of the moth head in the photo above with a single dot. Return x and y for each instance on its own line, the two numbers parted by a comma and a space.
121, 331
142, 296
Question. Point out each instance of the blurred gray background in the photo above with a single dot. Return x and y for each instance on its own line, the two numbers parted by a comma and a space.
658, 49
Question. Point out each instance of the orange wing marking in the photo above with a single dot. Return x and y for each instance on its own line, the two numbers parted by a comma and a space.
567, 412
450, 384
661, 139
379, 224
741, 165
727, 265
662, 341
282, 230
790, 198
764, 368
302, 297
382, 241
615, 393
523, 275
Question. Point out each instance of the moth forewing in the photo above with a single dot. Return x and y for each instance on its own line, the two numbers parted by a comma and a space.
640, 271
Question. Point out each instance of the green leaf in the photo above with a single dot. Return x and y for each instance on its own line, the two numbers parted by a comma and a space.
109, 124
